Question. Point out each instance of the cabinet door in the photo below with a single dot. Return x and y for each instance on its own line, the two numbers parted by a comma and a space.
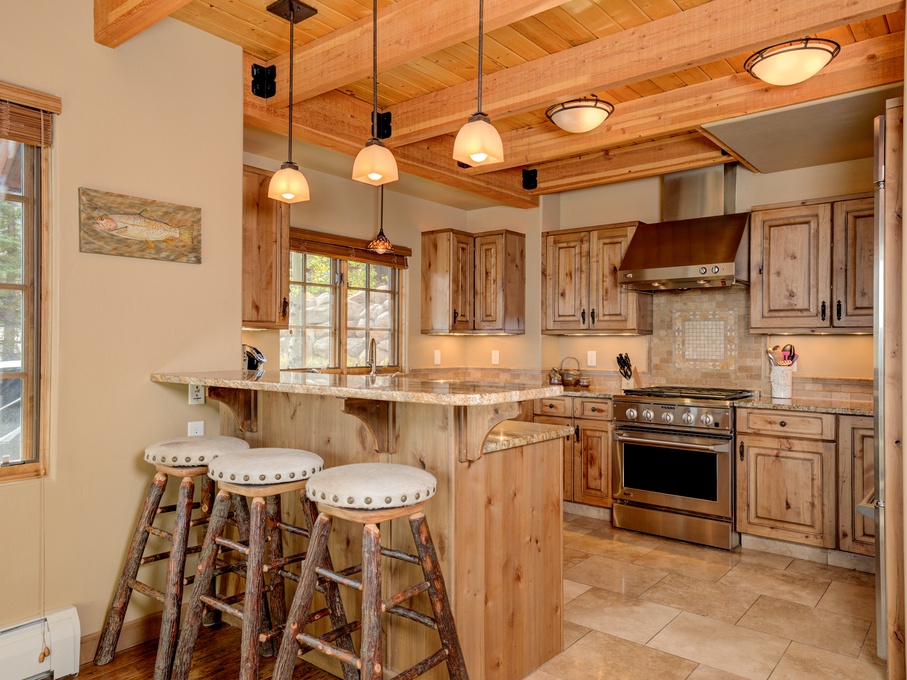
447, 288
569, 445
853, 252
786, 489
856, 467
592, 464
500, 282
265, 254
461, 283
614, 307
565, 299
791, 268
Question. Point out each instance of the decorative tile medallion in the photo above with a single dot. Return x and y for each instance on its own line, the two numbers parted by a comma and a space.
705, 339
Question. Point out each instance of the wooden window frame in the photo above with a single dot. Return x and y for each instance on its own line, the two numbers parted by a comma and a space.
345, 249
26, 117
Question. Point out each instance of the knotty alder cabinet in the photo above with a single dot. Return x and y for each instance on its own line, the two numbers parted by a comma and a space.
473, 283
265, 254
811, 266
856, 478
581, 294
587, 463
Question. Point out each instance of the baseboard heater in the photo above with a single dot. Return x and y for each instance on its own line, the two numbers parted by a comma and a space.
21, 645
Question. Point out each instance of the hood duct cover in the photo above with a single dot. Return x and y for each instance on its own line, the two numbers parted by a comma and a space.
707, 252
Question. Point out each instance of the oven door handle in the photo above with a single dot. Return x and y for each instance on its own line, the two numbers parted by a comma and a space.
717, 448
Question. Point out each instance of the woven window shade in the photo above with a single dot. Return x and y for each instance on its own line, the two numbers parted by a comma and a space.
24, 124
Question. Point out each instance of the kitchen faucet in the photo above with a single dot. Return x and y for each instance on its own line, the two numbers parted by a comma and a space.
372, 357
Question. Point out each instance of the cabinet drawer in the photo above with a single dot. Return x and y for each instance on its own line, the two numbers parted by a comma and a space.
554, 406
599, 409
787, 423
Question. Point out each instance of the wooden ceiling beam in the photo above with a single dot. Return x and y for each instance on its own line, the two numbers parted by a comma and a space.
869, 63
647, 159
716, 30
408, 29
116, 21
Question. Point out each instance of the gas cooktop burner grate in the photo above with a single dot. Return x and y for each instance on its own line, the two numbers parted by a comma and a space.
682, 392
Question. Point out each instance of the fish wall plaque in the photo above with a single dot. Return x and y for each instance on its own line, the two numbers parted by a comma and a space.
115, 224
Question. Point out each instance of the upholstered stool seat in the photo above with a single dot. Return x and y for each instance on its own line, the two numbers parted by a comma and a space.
369, 493
259, 475
182, 458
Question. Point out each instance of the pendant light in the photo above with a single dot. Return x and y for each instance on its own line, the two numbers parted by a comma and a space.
478, 143
580, 115
375, 164
288, 185
381, 244
792, 62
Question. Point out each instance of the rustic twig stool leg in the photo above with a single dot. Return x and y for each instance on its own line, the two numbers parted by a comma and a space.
173, 594
110, 634
370, 651
255, 599
204, 583
437, 594
276, 581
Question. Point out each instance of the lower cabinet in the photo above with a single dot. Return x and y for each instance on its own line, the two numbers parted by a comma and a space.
856, 471
786, 476
587, 455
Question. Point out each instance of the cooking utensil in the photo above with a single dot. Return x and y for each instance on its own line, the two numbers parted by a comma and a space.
624, 366
787, 352
771, 357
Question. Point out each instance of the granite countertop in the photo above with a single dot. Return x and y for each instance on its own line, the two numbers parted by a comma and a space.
399, 388
513, 433
846, 407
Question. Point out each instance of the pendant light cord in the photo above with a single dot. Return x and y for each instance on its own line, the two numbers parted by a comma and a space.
375, 69
481, 50
290, 107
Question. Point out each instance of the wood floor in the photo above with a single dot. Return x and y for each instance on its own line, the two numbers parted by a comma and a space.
216, 658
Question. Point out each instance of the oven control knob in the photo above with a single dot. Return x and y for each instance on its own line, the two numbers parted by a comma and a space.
631, 413
706, 419
667, 417
687, 418
647, 414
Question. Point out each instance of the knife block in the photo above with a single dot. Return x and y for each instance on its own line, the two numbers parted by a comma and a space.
630, 383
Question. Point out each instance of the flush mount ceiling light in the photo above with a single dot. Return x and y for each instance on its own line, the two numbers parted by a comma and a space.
580, 115
381, 244
375, 164
792, 62
288, 185
478, 143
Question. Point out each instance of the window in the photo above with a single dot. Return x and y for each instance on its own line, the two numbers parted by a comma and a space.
342, 297
25, 135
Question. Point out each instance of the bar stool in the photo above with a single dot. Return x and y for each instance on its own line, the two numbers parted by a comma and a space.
183, 458
259, 475
368, 493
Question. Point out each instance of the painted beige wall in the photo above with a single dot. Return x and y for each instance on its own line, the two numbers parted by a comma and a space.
159, 117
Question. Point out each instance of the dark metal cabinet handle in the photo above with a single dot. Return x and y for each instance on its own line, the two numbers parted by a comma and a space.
582, 316
284, 308
823, 311
576, 432
592, 316
456, 314
550, 405
783, 423
593, 409
839, 310
741, 450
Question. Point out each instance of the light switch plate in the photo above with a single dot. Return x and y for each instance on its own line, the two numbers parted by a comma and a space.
590, 358
495, 357
437, 357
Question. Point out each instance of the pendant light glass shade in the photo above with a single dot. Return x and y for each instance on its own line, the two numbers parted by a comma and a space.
478, 142
580, 115
375, 164
288, 185
792, 62
381, 244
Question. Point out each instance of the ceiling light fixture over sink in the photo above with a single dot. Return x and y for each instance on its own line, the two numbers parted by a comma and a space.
792, 62
478, 142
375, 164
288, 185
381, 244
580, 115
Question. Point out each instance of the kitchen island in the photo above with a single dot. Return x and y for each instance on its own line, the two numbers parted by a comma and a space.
496, 519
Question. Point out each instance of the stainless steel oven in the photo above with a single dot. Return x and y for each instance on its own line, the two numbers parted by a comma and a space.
673, 467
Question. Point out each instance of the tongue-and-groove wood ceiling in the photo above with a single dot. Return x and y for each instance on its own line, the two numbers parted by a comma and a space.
668, 66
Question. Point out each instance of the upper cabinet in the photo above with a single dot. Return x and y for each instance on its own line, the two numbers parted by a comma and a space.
812, 267
473, 283
580, 289
265, 254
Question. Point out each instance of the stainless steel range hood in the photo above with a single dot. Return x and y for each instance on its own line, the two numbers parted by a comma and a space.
703, 243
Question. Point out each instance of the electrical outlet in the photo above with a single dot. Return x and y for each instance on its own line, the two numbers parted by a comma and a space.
197, 428
590, 358
495, 357
437, 357
196, 394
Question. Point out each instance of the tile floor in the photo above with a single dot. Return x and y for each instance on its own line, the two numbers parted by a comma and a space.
639, 607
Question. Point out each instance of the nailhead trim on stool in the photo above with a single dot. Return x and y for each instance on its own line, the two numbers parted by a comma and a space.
372, 486
192, 451
265, 466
